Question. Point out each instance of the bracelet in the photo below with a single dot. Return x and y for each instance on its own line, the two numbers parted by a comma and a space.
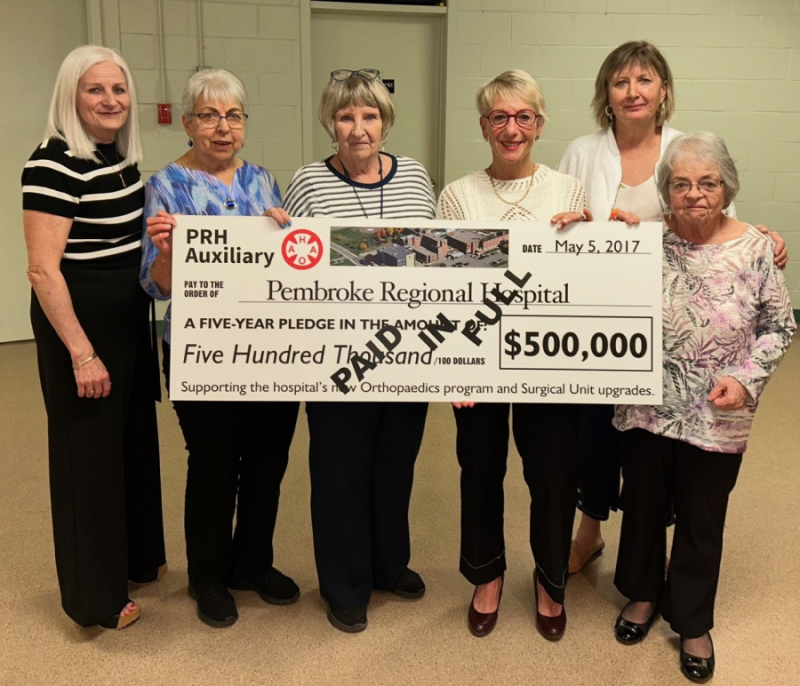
75, 367
614, 213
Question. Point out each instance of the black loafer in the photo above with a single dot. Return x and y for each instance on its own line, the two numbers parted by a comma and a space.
630, 633
274, 587
410, 585
215, 605
351, 620
697, 669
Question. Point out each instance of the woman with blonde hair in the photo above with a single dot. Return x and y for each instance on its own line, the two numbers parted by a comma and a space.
82, 204
515, 188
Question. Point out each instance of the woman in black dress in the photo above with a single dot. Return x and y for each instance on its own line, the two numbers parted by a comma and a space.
82, 213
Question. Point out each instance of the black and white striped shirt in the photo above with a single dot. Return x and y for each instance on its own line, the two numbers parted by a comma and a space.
104, 201
318, 190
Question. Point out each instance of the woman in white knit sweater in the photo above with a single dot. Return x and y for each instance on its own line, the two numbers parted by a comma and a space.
514, 188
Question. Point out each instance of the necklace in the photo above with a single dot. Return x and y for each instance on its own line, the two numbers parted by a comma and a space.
512, 202
119, 161
358, 197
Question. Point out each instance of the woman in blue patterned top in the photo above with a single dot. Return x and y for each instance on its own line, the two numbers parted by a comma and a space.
238, 451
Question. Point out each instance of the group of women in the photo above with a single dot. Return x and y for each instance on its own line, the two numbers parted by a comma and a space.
727, 323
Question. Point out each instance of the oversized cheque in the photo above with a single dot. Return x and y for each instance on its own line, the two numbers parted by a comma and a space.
341, 310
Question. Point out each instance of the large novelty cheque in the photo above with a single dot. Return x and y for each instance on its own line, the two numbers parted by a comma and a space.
334, 309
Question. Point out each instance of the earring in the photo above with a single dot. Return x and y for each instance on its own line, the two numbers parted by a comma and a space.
191, 142
335, 146
609, 113
486, 138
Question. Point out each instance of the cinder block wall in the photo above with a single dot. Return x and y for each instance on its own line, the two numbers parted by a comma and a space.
258, 40
736, 64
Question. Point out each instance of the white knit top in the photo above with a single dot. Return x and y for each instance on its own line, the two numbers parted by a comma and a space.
472, 197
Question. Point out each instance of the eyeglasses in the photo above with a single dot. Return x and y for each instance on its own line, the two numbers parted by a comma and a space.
525, 118
366, 74
705, 187
210, 120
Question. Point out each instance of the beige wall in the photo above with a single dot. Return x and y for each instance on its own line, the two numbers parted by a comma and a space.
736, 64
34, 37
258, 40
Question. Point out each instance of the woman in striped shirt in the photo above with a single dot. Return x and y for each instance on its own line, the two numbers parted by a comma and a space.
82, 214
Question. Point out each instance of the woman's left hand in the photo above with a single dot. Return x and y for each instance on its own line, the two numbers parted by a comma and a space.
279, 215
728, 394
563, 219
781, 253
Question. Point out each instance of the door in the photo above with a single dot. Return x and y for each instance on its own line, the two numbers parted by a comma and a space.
406, 48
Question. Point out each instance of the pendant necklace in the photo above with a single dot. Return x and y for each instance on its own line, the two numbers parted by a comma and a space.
358, 197
119, 161
512, 202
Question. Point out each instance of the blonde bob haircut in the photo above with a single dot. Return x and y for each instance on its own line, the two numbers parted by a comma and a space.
63, 120
638, 53
212, 84
359, 92
512, 84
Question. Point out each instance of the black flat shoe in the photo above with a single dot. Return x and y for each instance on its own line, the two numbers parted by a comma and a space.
215, 605
410, 585
274, 587
351, 620
697, 669
630, 633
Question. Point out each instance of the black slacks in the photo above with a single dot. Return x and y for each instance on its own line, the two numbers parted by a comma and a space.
361, 459
546, 436
600, 462
238, 453
657, 469
105, 479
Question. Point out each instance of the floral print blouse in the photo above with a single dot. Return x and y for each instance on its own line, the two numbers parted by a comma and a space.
726, 313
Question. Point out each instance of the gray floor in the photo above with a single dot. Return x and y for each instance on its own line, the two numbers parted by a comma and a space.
424, 642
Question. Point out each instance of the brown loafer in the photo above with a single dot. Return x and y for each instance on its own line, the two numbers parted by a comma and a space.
579, 558
480, 623
552, 628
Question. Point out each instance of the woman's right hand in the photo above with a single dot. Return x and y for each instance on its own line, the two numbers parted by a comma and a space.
159, 228
279, 216
464, 403
623, 216
92, 379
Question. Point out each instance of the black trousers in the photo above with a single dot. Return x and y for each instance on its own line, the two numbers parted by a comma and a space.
105, 479
600, 462
238, 453
362, 459
657, 469
547, 440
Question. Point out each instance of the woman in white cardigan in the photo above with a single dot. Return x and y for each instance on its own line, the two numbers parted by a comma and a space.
634, 98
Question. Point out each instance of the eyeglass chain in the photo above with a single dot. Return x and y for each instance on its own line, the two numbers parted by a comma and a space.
358, 197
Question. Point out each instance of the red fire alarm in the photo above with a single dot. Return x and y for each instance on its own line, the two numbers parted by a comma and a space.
164, 113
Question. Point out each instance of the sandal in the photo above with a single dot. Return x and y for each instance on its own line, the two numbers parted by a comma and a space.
123, 619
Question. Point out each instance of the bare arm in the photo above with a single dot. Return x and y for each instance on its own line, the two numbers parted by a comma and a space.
46, 238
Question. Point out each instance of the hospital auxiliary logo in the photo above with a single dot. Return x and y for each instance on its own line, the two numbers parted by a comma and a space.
302, 249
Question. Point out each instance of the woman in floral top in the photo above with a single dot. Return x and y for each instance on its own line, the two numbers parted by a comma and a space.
727, 323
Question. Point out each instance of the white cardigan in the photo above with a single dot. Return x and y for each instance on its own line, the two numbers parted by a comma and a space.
595, 161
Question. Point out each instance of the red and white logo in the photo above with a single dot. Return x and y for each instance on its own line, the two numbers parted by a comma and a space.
302, 249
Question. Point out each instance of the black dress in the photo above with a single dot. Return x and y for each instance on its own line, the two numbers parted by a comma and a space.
105, 482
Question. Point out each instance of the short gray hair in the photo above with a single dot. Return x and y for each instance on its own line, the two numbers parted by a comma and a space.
208, 84
355, 90
512, 83
63, 120
699, 146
